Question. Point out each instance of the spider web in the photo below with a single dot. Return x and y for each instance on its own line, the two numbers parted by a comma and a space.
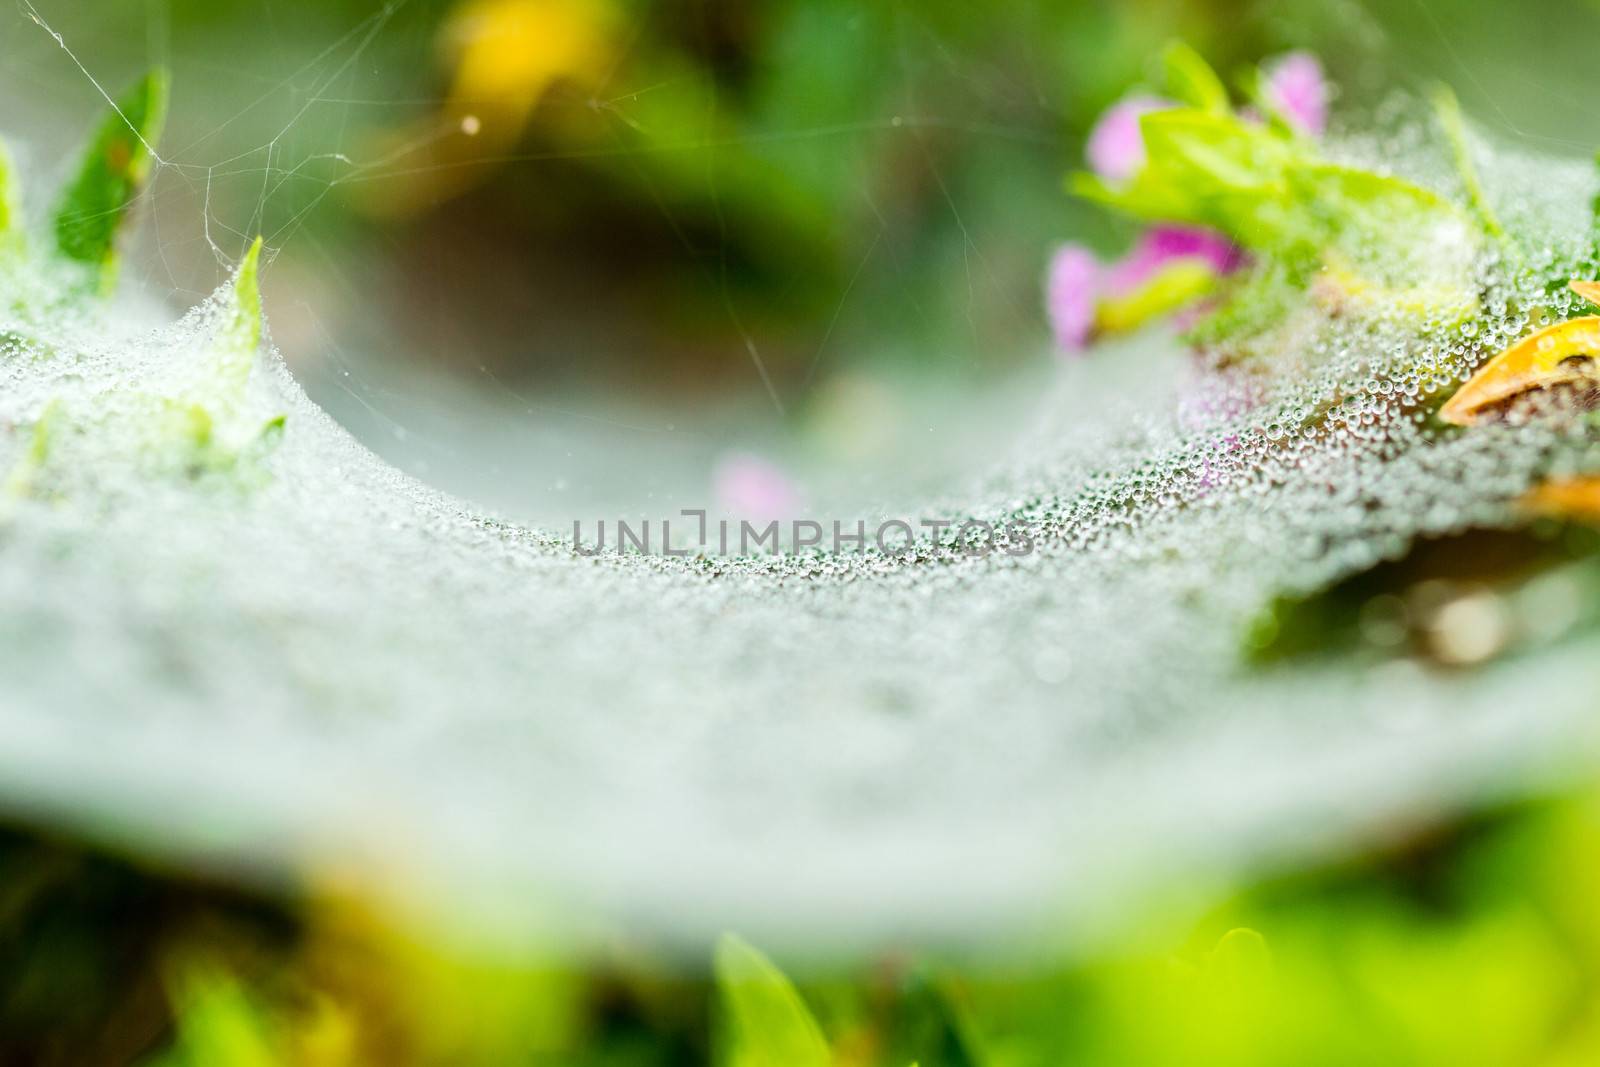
859, 746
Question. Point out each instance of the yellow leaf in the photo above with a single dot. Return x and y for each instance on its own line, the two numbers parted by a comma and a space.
1556, 355
511, 51
1590, 291
1566, 498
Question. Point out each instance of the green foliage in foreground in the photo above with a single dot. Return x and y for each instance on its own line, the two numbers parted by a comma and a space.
1476, 943
765, 1024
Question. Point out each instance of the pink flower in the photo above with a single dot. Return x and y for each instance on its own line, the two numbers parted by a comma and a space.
1116, 144
1294, 85
751, 487
1072, 287
1160, 245
1077, 282
1079, 290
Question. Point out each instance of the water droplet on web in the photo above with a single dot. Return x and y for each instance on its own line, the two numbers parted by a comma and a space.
345, 632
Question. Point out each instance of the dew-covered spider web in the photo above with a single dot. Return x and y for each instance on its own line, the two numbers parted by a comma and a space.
341, 668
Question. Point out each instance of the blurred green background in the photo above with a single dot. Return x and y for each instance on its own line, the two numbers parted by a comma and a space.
650, 199
555, 254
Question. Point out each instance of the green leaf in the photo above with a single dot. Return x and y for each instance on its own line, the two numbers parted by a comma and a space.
1141, 198
1241, 961
1209, 170
1211, 150
217, 1021
240, 333
246, 323
930, 1022
233, 348
1393, 233
114, 169
250, 460
1174, 286
10, 196
766, 1024
1352, 192
1191, 80
1264, 188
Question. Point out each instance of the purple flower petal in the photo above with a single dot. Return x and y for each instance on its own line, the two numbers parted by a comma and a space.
1116, 145
1071, 288
1160, 245
1296, 87
750, 487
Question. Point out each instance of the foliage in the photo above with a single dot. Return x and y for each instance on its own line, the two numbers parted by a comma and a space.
97, 201
1382, 243
1473, 943
766, 1024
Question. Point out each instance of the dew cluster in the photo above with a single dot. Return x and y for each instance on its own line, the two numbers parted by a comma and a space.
333, 666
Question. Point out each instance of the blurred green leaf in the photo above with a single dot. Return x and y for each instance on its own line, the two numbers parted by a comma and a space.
1191, 80
1266, 190
1352, 195
1209, 170
240, 333
1241, 961
767, 1024
114, 168
10, 196
217, 1024
931, 1023
1174, 286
